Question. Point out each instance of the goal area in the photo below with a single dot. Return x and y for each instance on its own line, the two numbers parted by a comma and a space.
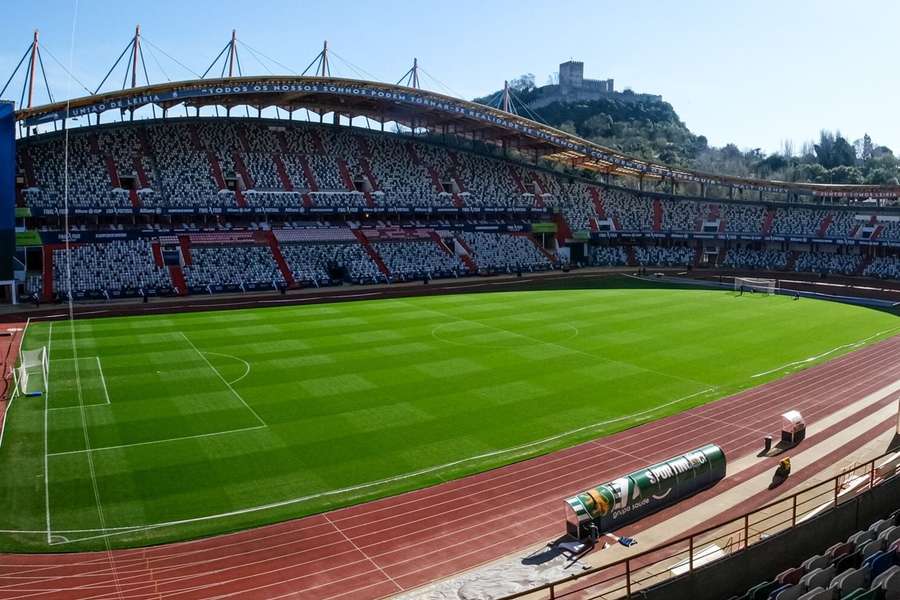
755, 285
33, 371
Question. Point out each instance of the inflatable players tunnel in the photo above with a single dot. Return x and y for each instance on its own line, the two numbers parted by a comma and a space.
634, 496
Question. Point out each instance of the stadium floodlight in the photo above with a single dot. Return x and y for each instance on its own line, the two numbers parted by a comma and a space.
33, 362
755, 284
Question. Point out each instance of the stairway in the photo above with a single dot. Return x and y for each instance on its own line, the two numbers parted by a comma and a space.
632, 259
768, 221
317, 142
467, 257
345, 175
215, 170
371, 252
112, 171
309, 174
458, 201
547, 254
440, 243
657, 215
435, 180
286, 183
185, 242
824, 225
367, 170
241, 169
135, 200
178, 282
363, 145
411, 150
791, 261
563, 231
520, 187
863, 264
157, 254
143, 180
279, 259
47, 274
370, 200
597, 200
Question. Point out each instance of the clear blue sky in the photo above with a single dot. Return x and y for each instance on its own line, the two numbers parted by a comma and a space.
752, 73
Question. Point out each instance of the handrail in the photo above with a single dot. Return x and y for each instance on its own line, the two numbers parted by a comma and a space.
630, 568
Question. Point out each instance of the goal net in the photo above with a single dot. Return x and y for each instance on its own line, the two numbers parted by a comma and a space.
33, 371
753, 284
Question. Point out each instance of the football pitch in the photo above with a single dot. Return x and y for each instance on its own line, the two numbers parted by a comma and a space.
168, 427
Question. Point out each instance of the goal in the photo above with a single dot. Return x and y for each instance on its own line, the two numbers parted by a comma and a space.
33, 371
753, 284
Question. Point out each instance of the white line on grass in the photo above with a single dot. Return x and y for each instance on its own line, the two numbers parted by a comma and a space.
173, 439
576, 350
16, 389
102, 379
124, 530
46, 416
219, 375
824, 354
246, 364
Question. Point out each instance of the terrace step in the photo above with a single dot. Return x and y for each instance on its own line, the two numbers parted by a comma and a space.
373, 254
178, 282
657, 215
309, 174
282, 173
768, 221
279, 259
825, 224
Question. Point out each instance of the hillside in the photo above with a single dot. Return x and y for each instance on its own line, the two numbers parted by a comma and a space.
651, 129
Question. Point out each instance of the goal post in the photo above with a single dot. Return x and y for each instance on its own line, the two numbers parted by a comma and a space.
33, 371
755, 285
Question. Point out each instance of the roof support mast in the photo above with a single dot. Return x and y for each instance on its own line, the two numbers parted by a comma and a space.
32, 67
135, 52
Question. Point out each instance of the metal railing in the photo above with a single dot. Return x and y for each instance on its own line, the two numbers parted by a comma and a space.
623, 578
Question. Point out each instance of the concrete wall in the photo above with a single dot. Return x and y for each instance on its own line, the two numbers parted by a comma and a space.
765, 560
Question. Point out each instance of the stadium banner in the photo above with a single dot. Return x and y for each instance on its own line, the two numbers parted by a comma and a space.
281, 210
197, 90
7, 189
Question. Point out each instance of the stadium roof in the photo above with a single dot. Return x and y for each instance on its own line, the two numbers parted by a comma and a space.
418, 109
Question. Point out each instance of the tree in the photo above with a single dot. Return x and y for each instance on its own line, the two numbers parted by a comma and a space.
522, 83
553, 78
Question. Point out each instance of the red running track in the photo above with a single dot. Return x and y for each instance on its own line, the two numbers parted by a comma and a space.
376, 549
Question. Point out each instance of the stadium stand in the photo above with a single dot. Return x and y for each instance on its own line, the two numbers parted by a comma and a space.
609, 256
241, 267
865, 567
505, 252
828, 262
112, 266
415, 259
746, 258
884, 267
205, 172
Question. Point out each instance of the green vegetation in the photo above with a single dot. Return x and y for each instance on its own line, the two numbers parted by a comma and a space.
652, 130
181, 417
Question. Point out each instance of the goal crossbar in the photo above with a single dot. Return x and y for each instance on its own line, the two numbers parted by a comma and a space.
33, 362
755, 284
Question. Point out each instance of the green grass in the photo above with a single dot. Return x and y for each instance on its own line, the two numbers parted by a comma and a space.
217, 412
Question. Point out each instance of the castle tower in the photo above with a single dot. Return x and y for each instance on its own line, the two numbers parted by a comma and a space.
571, 75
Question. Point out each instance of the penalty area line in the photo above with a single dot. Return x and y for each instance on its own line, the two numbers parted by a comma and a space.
163, 441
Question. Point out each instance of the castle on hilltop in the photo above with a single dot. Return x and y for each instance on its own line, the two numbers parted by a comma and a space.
573, 87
